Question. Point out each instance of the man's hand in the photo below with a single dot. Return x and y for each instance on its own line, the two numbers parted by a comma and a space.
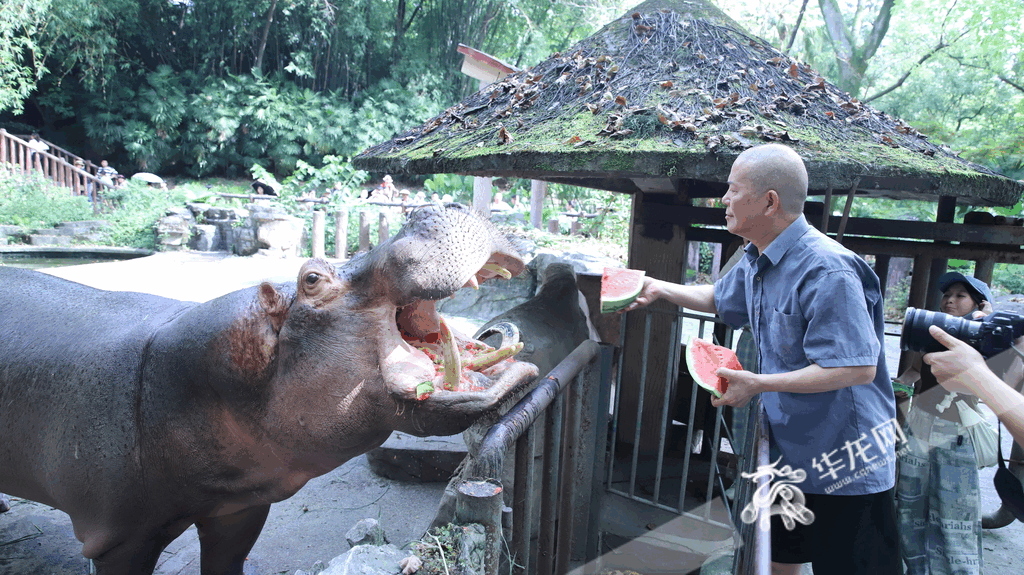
742, 385
954, 369
649, 294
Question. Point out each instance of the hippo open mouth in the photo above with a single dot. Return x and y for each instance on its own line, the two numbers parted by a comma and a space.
458, 363
439, 251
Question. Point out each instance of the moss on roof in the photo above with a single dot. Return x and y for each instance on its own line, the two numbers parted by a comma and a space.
675, 88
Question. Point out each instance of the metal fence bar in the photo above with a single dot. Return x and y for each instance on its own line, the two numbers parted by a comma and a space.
640, 404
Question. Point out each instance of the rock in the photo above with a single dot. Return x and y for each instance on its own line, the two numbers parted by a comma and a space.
47, 240
207, 238
281, 236
366, 532
367, 560
173, 231
5, 504
83, 227
10, 230
241, 240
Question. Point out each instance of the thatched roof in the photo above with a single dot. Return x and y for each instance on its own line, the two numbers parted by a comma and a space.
673, 91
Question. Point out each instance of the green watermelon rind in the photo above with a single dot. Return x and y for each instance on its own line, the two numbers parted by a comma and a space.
614, 305
691, 367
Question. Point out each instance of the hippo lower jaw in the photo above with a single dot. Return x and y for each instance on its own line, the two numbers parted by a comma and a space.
426, 361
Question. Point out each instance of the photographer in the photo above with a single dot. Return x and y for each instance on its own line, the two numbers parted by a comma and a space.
962, 369
938, 482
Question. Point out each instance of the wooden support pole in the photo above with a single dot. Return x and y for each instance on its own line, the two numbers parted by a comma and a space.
882, 271
553, 226
364, 231
383, 228
574, 227
341, 234
846, 210
944, 213
538, 189
983, 270
319, 230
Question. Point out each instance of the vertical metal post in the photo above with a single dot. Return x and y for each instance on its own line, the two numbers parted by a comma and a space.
523, 502
549, 488
538, 189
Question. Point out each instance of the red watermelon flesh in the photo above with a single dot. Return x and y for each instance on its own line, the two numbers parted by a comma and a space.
619, 287
703, 359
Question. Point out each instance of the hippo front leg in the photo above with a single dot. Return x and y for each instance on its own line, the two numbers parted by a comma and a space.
226, 540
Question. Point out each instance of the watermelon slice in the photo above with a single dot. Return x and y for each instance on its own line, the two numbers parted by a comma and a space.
703, 359
619, 287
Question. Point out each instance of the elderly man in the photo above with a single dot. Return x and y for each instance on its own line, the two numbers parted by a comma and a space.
815, 310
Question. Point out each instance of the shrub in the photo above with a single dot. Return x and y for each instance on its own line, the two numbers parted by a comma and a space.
32, 201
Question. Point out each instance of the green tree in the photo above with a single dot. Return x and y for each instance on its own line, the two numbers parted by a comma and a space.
20, 52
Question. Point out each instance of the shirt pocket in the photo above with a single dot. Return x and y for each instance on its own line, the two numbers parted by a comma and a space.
786, 333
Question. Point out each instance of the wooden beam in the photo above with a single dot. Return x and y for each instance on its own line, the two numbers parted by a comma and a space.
901, 229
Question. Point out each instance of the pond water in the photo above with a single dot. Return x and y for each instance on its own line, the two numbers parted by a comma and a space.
34, 263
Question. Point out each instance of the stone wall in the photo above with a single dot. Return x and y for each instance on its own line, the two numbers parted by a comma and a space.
264, 229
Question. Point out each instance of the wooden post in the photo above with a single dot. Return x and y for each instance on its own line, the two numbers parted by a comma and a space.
716, 261
383, 228
341, 234
983, 270
659, 248
538, 189
553, 226
318, 234
364, 231
882, 271
944, 213
574, 227
482, 196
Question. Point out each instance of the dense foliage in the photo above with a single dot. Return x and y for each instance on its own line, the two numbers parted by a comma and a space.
211, 87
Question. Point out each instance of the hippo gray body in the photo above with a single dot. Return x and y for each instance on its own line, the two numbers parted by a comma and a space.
140, 416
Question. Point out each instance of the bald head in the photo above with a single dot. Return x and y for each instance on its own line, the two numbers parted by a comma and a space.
777, 167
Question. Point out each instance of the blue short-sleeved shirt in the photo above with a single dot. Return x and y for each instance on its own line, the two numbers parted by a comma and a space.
807, 299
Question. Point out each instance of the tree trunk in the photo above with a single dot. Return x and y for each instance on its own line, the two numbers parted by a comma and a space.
263, 39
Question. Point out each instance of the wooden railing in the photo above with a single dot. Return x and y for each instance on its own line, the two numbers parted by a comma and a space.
56, 164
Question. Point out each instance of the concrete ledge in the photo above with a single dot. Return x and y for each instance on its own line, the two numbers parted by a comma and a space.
405, 457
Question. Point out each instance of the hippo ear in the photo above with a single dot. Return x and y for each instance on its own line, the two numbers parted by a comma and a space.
273, 304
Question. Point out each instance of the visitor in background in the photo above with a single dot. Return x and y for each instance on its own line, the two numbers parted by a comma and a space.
37, 146
823, 382
938, 483
105, 173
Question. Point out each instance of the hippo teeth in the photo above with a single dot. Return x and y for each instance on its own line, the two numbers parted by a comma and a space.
452, 361
504, 273
485, 360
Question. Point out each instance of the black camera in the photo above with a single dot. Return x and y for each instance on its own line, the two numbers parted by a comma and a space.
989, 335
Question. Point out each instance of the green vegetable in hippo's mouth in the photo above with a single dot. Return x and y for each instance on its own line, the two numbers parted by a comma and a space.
504, 273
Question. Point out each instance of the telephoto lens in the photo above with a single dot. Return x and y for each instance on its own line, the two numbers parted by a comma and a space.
992, 334
915, 336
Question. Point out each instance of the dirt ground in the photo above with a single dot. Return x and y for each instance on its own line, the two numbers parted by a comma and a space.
309, 527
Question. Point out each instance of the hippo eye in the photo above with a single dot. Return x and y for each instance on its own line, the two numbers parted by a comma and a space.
312, 278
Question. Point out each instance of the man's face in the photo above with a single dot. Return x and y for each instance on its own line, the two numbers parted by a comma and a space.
744, 206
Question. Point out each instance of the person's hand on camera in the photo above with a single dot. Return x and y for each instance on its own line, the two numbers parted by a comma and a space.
983, 310
956, 368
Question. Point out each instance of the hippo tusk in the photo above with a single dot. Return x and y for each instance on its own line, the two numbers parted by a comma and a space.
472, 282
485, 360
509, 333
452, 361
504, 273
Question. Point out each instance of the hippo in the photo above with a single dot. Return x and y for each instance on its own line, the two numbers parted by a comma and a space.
140, 416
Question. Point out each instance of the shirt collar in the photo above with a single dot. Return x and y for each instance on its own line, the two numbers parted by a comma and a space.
780, 245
